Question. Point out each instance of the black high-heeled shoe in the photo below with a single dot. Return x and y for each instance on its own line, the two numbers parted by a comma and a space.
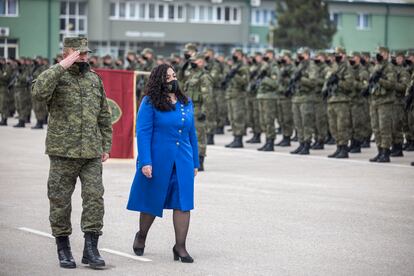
137, 250
185, 259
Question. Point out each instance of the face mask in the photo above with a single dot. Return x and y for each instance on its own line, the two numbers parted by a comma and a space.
338, 59
394, 61
144, 58
172, 86
193, 65
363, 61
187, 56
352, 62
317, 61
328, 61
408, 62
266, 59
380, 58
297, 62
301, 57
283, 61
235, 58
83, 66
254, 61
207, 58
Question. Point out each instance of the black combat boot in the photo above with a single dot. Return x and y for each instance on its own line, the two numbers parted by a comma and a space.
237, 143
27, 119
410, 146
201, 160
343, 152
210, 139
397, 150
269, 146
333, 155
305, 149
39, 125
366, 143
91, 254
3, 122
21, 123
385, 156
65, 253
375, 159
412, 163
220, 130
319, 145
356, 147
329, 139
232, 142
255, 139
285, 142
295, 138
298, 149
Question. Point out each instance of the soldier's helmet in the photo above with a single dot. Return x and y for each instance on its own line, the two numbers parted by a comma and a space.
340, 50
304, 50
77, 43
190, 47
286, 53
147, 51
197, 57
382, 49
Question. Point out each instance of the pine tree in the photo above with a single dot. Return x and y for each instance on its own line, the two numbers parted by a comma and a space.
302, 23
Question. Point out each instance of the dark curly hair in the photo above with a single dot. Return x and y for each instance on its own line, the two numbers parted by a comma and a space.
157, 89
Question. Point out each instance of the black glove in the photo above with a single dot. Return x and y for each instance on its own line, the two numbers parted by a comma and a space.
201, 117
365, 92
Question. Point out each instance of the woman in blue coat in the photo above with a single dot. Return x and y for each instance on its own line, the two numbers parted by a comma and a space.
167, 159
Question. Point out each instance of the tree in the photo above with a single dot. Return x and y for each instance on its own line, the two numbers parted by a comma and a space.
302, 23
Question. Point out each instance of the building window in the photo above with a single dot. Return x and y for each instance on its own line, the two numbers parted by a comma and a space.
215, 14
9, 48
129, 10
73, 18
262, 17
336, 18
363, 21
9, 7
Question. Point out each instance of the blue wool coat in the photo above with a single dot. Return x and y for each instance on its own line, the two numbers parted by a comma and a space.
164, 138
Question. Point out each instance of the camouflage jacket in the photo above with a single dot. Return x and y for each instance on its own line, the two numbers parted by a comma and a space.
237, 86
6, 73
285, 74
199, 88
345, 84
79, 118
268, 85
305, 87
361, 76
403, 79
215, 69
384, 91
23, 79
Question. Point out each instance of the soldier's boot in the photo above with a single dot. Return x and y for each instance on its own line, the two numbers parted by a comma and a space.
39, 125
201, 160
410, 146
285, 142
298, 149
412, 163
356, 148
21, 123
220, 130
333, 155
64, 252
3, 122
366, 143
27, 119
319, 145
237, 143
45, 120
397, 150
91, 254
352, 145
343, 152
279, 130
295, 138
329, 139
232, 142
385, 156
255, 139
305, 149
210, 139
269, 146
375, 158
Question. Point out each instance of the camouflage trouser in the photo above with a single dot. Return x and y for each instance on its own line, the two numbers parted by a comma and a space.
321, 120
358, 118
285, 115
237, 114
63, 174
398, 122
4, 110
211, 113
339, 116
201, 135
253, 118
367, 120
381, 122
268, 115
40, 109
23, 101
304, 118
221, 102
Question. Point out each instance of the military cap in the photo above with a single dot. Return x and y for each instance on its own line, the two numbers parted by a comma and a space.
340, 50
257, 53
196, 57
147, 51
399, 53
410, 53
238, 50
78, 43
174, 55
208, 49
366, 54
382, 49
320, 53
160, 57
107, 56
355, 54
190, 47
131, 53
286, 53
304, 50
270, 51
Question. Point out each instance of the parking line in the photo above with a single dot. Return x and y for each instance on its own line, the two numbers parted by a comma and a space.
122, 254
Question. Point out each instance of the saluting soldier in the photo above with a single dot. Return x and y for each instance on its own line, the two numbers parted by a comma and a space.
79, 138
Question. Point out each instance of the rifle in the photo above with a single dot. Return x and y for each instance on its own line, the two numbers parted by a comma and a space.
408, 100
255, 85
293, 81
230, 75
13, 79
373, 82
331, 86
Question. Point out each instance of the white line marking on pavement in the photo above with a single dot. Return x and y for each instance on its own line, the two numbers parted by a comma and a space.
47, 235
33, 231
126, 255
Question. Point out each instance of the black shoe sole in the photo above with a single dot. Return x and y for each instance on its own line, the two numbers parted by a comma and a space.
68, 266
93, 265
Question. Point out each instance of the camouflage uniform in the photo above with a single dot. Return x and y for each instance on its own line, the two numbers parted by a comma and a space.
409, 132
40, 107
5, 76
23, 99
79, 132
252, 105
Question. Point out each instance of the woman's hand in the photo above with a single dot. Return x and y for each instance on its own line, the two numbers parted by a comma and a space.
195, 172
147, 171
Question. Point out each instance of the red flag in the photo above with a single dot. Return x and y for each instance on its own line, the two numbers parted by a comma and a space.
120, 91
